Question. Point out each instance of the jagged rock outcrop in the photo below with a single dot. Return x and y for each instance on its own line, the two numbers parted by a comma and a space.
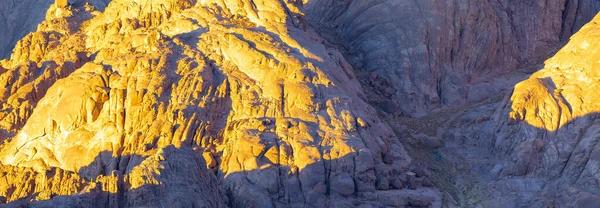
170, 177
128, 101
417, 56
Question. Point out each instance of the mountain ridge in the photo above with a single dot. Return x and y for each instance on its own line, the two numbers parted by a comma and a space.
263, 103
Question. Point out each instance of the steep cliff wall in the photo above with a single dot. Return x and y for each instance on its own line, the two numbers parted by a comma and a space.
417, 56
542, 135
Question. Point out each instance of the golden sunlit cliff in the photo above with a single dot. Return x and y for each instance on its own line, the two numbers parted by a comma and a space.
113, 103
566, 88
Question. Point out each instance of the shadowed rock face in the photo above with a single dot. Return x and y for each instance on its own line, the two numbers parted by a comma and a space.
16, 23
180, 179
417, 56
540, 141
553, 122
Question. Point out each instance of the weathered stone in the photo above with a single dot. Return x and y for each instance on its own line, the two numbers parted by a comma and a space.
343, 184
321, 188
427, 182
431, 142
383, 183
275, 111
445, 54
397, 183
538, 139
391, 199
120, 105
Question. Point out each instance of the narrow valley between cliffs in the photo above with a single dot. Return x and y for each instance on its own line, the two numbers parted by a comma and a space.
300, 103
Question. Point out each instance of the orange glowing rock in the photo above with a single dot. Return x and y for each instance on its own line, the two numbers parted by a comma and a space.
129, 102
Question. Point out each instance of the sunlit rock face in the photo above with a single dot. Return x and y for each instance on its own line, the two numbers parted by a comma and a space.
192, 103
417, 56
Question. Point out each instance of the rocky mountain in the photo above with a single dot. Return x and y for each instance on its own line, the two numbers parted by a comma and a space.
126, 102
537, 145
318, 103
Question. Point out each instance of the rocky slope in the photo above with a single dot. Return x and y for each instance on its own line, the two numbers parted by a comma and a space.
451, 64
122, 106
553, 123
418, 56
542, 135
242, 103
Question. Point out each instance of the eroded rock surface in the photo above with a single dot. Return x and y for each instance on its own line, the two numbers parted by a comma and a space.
241, 103
543, 136
417, 56
122, 105
553, 130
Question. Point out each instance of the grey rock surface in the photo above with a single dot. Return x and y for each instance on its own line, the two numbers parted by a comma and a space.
423, 55
538, 145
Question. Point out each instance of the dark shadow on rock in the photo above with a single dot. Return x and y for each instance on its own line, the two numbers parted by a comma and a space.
527, 165
324, 184
181, 180
106, 164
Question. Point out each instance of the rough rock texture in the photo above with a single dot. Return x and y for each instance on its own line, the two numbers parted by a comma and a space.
241, 103
16, 23
170, 177
543, 135
18, 18
553, 126
417, 56
121, 107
